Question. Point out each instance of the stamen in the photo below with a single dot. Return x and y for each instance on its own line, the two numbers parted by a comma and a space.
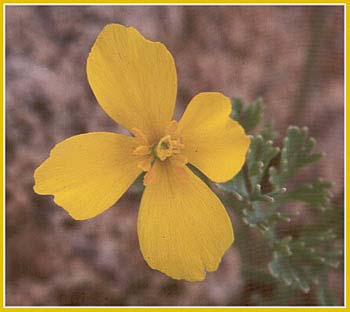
142, 150
140, 136
171, 127
168, 148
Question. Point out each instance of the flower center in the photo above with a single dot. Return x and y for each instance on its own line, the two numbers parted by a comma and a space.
169, 147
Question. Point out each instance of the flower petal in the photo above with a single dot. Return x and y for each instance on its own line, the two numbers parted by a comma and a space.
88, 173
133, 79
183, 227
214, 143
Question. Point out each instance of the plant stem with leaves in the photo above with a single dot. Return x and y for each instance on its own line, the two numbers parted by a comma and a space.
260, 195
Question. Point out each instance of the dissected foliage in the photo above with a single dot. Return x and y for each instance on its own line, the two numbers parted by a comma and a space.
266, 196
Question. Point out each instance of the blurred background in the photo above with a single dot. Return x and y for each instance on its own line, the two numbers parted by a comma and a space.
292, 56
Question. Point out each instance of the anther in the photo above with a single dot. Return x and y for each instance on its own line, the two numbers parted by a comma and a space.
171, 127
140, 136
142, 150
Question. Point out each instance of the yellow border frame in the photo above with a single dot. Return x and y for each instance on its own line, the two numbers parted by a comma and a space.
204, 309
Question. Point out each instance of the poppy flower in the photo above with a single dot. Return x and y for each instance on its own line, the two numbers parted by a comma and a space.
183, 228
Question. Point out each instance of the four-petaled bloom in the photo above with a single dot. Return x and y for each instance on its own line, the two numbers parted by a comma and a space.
183, 228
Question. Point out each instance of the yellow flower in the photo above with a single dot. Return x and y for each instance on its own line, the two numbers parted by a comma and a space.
183, 227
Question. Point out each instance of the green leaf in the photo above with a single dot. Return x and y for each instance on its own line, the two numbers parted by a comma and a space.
250, 117
282, 268
323, 294
324, 297
316, 194
259, 156
254, 216
257, 275
300, 260
268, 133
296, 153
235, 186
